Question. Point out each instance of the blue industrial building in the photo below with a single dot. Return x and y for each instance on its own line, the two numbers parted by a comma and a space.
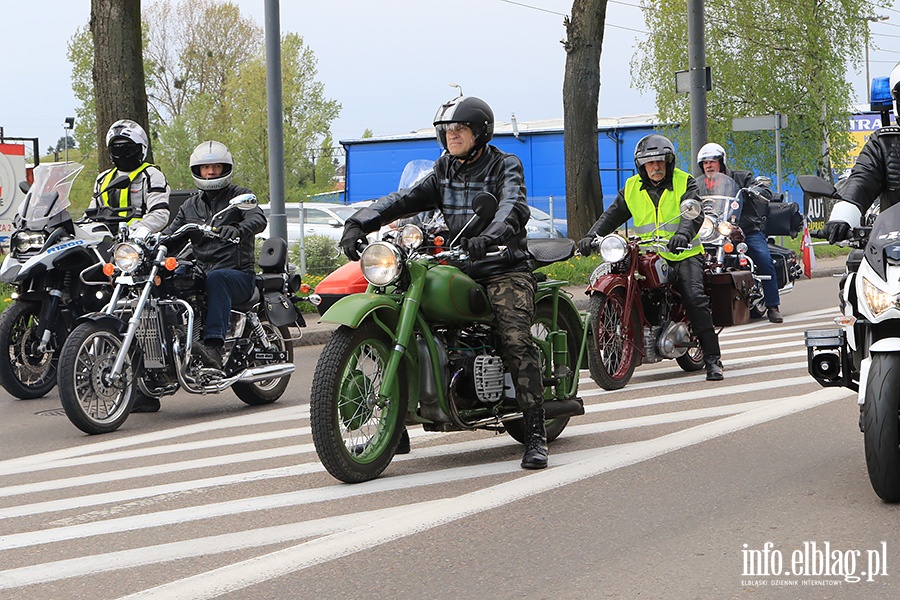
374, 165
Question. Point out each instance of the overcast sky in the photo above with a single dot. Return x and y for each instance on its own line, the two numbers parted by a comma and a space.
388, 62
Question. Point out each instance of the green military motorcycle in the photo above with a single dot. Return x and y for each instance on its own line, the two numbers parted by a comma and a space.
420, 347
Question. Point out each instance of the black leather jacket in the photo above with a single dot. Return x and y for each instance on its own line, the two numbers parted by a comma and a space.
450, 188
213, 253
876, 172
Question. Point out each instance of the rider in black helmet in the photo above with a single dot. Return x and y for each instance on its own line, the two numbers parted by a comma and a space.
876, 172
470, 165
652, 197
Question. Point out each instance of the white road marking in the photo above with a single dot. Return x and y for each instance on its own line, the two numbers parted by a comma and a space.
330, 547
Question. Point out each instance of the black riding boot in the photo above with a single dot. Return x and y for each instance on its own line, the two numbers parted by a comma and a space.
709, 343
535, 439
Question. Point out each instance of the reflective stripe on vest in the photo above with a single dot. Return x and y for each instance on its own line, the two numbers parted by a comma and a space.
125, 193
660, 221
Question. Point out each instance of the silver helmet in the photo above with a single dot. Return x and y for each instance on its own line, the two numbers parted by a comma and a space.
210, 153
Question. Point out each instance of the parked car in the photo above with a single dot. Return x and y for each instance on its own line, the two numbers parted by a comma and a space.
319, 218
560, 225
323, 218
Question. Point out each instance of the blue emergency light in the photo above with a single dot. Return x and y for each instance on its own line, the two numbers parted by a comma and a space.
881, 94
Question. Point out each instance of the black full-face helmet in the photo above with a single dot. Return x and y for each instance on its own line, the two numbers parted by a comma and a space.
470, 111
654, 147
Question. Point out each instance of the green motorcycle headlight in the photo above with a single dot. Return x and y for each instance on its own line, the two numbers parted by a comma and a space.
380, 263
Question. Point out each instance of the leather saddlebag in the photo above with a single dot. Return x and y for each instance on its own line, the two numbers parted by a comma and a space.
729, 297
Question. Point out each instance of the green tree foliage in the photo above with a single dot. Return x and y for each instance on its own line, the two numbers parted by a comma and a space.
80, 52
307, 118
766, 56
206, 79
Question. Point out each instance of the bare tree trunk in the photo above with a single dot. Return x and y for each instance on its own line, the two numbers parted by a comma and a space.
581, 94
118, 71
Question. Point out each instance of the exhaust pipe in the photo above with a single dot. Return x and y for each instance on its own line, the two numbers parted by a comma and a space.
255, 374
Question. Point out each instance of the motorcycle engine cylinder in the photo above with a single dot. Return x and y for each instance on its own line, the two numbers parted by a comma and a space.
674, 340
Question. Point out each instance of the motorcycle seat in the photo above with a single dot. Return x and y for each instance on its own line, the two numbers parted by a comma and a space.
247, 304
547, 252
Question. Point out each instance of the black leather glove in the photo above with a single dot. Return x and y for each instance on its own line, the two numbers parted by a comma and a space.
227, 232
837, 231
678, 243
584, 246
476, 247
353, 234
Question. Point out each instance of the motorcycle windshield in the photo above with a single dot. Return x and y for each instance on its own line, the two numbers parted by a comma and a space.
414, 171
885, 234
48, 195
721, 197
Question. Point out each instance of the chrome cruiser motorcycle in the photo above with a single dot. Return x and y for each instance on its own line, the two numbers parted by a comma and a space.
55, 264
724, 241
421, 347
141, 341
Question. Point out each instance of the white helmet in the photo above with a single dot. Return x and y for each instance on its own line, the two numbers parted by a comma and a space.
211, 153
711, 151
127, 143
895, 89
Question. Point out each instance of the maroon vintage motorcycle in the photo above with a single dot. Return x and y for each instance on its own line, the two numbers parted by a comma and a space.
636, 313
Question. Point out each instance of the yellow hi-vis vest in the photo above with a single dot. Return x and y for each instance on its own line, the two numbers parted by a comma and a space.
125, 193
660, 220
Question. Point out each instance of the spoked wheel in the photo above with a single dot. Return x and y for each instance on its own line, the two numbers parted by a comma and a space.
25, 372
614, 356
881, 421
356, 425
267, 391
543, 322
92, 402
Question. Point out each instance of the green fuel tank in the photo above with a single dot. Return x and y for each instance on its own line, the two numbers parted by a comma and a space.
451, 296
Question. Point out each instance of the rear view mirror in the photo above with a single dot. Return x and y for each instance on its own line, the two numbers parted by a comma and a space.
691, 208
244, 201
816, 186
485, 205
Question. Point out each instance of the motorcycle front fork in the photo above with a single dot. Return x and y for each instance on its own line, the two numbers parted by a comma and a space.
47, 319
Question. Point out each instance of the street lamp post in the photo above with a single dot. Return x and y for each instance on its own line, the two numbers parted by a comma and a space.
67, 127
870, 19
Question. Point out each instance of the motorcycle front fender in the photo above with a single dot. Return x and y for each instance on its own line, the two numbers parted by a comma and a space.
607, 283
354, 309
103, 318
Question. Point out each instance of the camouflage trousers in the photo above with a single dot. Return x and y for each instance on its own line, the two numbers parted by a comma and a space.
512, 298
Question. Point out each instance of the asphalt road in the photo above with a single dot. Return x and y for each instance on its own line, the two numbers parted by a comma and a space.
673, 487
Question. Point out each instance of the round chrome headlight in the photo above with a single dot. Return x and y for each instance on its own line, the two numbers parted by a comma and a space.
127, 257
707, 230
725, 228
380, 263
26, 241
411, 237
612, 248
